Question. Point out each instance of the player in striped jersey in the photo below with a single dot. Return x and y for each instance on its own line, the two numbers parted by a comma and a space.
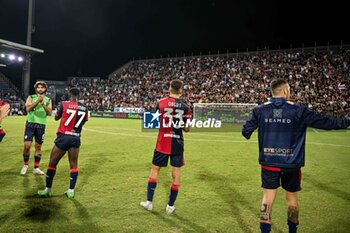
170, 143
73, 116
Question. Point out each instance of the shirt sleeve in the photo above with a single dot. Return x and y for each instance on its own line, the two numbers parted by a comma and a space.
251, 124
87, 115
59, 110
320, 121
188, 115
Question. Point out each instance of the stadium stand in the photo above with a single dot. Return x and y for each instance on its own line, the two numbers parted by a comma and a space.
9, 93
6, 87
319, 77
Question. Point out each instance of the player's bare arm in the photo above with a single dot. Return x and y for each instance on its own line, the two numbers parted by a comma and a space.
58, 114
47, 107
30, 106
4, 111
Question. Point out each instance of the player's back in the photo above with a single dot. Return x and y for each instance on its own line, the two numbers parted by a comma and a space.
174, 114
282, 129
73, 116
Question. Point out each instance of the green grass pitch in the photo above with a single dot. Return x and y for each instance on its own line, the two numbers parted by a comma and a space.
220, 186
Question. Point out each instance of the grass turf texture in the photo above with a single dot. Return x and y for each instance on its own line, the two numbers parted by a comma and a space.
220, 185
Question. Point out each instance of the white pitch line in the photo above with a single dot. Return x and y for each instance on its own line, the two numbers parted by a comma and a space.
127, 129
327, 144
193, 134
215, 140
123, 134
315, 130
206, 140
154, 137
216, 135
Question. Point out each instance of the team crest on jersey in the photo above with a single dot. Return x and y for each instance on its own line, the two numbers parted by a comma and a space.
277, 113
151, 120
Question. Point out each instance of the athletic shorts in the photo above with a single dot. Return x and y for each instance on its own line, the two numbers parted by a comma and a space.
34, 130
161, 160
65, 142
289, 178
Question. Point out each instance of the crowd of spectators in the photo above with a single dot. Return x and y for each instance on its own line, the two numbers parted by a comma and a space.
16, 103
317, 79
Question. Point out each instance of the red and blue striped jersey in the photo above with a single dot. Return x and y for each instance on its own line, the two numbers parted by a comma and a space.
174, 115
73, 116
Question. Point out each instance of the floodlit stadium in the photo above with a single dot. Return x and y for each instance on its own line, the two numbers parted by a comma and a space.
97, 124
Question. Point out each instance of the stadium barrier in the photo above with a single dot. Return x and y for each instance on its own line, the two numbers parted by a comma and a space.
116, 115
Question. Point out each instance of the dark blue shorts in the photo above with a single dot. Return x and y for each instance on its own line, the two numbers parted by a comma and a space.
161, 160
290, 179
34, 130
65, 142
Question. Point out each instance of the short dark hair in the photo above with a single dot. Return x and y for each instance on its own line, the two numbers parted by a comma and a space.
74, 91
176, 86
276, 83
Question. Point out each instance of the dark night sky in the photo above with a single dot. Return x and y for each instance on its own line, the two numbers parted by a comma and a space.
94, 37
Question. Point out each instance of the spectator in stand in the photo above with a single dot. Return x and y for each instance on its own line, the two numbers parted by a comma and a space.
314, 79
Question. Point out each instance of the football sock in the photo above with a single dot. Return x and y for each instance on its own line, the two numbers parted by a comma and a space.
26, 159
173, 194
73, 177
152, 184
293, 227
37, 159
50, 174
265, 227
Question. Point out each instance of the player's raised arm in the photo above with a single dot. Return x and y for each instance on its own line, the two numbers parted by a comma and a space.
47, 107
59, 111
30, 106
187, 129
250, 125
4, 111
188, 118
320, 121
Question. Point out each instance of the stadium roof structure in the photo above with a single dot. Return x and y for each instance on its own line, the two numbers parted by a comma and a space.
9, 48
9, 45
